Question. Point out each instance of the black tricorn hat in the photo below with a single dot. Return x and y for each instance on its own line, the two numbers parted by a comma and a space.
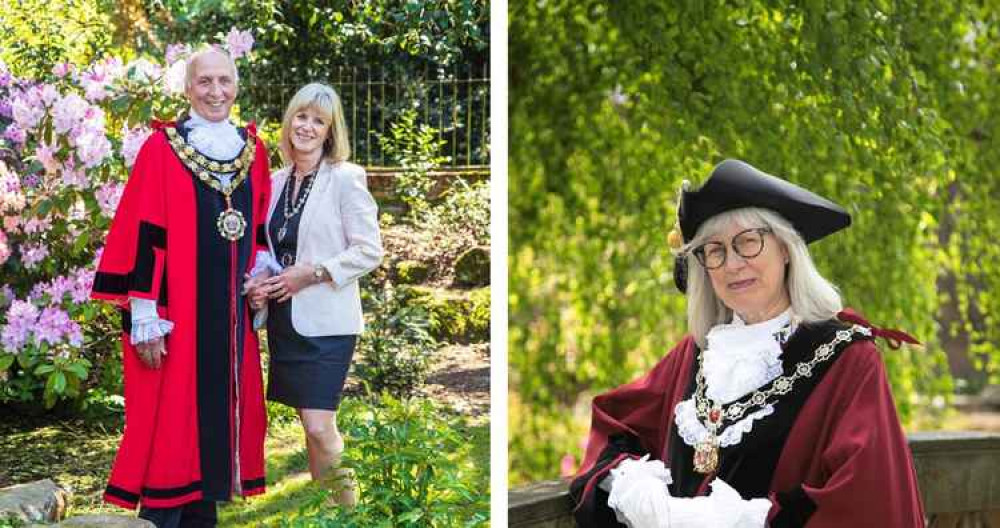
735, 184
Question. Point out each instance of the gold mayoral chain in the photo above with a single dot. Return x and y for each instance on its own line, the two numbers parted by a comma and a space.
706, 453
231, 224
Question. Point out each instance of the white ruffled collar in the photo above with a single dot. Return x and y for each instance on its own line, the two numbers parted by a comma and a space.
218, 140
740, 358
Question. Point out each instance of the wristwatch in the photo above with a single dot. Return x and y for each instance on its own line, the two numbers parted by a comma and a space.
319, 273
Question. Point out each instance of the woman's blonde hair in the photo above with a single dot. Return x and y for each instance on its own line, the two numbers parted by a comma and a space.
322, 98
813, 298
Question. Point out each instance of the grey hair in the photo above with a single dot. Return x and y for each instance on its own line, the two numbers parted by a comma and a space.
813, 298
201, 52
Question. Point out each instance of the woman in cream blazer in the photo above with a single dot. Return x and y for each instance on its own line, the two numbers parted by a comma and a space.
322, 230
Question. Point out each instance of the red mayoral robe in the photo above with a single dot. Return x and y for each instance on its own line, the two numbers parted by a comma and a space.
831, 455
194, 428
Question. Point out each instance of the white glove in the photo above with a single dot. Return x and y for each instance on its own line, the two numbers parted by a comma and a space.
640, 498
146, 323
724, 508
639, 493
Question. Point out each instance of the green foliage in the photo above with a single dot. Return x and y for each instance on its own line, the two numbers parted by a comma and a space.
455, 316
883, 107
71, 371
39, 34
472, 268
411, 272
415, 149
396, 346
415, 466
10, 521
462, 213
406, 48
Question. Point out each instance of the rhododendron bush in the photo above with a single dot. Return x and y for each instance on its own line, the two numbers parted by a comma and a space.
67, 142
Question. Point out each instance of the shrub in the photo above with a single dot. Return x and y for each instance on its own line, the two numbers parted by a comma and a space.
396, 346
415, 465
67, 140
415, 148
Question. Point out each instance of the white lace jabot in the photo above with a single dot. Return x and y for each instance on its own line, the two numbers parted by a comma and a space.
217, 140
740, 358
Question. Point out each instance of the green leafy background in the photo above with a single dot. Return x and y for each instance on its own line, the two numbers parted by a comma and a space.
885, 107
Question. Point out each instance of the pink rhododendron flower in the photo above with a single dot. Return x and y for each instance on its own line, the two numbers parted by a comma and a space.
174, 79
83, 281
20, 318
143, 70
32, 181
108, 196
59, 287
4, 248
52, 325
238, 43
11, 224
92, 147
45, 155
48, 94
16, 134
62, 69
176, 52
6, 109
132, 141
37, 225
32, 254
68, 112
27, 115
11, 198
98, 79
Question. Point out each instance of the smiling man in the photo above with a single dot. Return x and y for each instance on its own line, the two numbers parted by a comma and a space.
189, 226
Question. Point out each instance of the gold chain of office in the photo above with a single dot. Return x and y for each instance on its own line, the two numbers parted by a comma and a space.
230, 223
706, 455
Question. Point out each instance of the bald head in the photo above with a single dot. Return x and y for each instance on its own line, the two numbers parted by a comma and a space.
210, 54
211, 84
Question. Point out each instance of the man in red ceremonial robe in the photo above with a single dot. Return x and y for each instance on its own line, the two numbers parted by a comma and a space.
189, 226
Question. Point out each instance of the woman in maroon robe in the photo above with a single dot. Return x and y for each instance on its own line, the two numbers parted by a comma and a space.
776, 410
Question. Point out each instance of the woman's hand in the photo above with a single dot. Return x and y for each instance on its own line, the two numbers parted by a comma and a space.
253, 288
289, 282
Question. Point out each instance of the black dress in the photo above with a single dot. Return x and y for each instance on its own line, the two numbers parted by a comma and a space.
304, 372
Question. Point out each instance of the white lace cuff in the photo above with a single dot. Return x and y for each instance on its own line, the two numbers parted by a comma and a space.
150, 329
639, 493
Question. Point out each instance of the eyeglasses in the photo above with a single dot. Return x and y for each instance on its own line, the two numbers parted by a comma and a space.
747, 244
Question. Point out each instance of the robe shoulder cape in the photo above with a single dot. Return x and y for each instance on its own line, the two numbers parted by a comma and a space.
194, 429
833, 454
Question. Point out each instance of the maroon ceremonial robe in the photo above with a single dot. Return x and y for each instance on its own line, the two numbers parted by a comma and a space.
832, 455
194, 428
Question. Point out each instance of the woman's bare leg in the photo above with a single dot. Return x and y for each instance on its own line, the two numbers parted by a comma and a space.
324, 445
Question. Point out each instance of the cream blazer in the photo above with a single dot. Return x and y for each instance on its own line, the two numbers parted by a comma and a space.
338, 230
